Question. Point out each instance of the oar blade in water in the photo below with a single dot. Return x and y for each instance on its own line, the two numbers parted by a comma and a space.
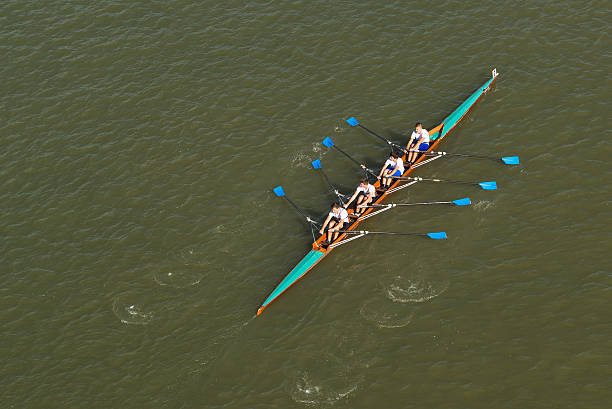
316, 164
279, 191
462, 202
328, 142
511, 160
488, 185
437, 236
352, 121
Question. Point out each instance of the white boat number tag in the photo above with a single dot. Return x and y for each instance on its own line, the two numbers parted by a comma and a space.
494, 72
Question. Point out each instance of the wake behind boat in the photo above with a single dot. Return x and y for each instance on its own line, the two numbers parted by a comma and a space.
436, 135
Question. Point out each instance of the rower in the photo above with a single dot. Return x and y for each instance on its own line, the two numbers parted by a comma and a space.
364, 193
336, 220
394, 166
419, 140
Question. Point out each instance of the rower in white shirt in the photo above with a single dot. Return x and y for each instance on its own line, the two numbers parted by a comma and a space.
419, 140
336, 220
394, 166
364, 193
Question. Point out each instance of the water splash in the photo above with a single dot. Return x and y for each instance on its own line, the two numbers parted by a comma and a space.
483, 204
340, 126
408, 290
301, 160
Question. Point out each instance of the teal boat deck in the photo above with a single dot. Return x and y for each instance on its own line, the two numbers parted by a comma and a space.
294, 275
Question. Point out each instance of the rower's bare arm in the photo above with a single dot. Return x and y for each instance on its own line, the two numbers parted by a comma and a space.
351, 199
325, 224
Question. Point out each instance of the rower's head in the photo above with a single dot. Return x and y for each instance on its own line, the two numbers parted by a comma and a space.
418, 127
363, 182
335, 207
393, 155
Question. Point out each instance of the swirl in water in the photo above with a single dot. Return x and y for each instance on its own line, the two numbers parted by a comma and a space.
185, 268
405, 290
180, 278
385, 314
323, 391
131, 313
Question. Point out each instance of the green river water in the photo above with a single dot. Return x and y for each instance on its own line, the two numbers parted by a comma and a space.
140, 143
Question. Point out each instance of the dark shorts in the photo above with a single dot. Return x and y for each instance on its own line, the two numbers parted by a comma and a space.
424, 146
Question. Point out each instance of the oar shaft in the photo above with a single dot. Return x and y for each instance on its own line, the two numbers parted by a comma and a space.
333, 188
508, 160
433, 180
355, 161
327, 180
401, 148
299, 210
347, 155
407, 204
381, 137
465, 155
381, 232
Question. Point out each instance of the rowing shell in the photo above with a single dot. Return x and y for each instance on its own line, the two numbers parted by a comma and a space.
318, 251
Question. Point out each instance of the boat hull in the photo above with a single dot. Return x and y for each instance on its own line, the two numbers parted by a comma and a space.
318, 252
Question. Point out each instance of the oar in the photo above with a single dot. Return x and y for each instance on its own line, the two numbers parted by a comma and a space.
316, 164
459, 202
330, 144
281, 193
483, 185
508, 160
353, 122
437, 236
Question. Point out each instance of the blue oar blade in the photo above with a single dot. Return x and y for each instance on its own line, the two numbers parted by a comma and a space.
511, 160
352, 121
462, 202
316, 164
279, 191
437, 236
488, 185
328, 142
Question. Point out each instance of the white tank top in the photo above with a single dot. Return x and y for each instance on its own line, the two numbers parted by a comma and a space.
399, 164
342, 214
424, 136
368, 190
